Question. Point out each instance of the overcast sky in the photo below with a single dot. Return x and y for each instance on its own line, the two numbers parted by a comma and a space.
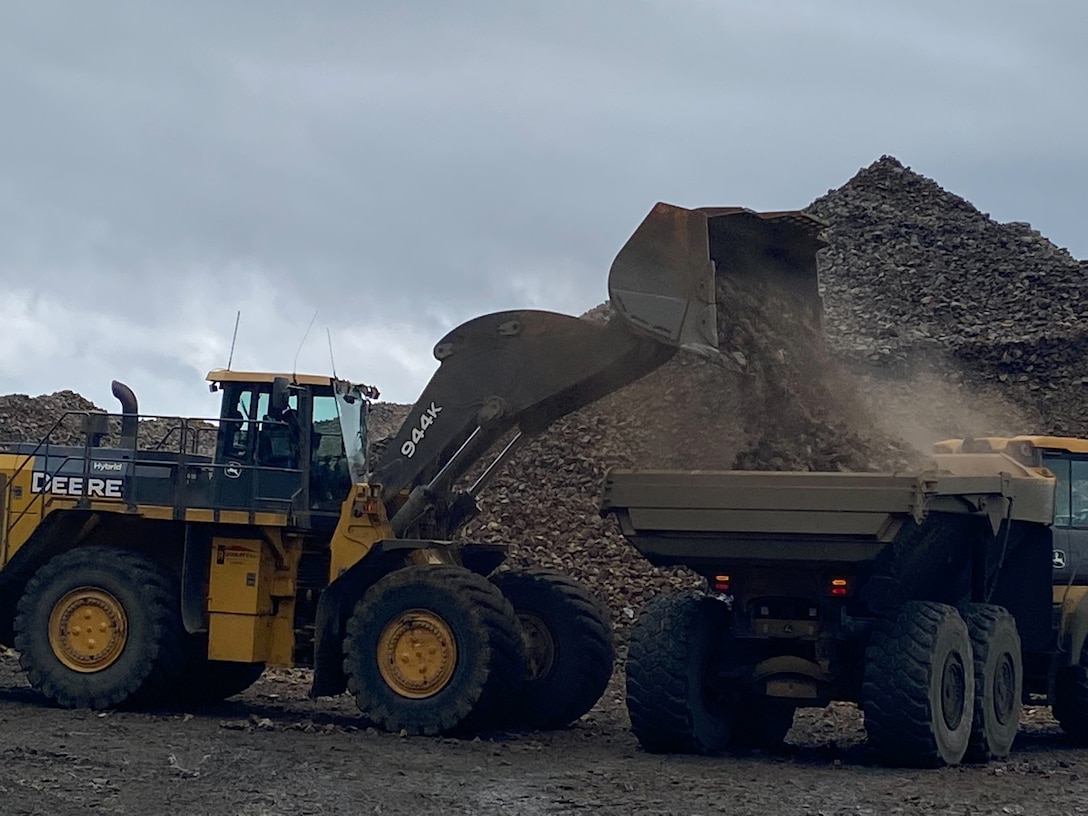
399, 168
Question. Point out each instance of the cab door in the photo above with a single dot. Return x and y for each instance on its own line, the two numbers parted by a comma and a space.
235, 455
261, 460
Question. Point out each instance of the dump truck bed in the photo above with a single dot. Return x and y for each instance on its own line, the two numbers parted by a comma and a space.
702, 518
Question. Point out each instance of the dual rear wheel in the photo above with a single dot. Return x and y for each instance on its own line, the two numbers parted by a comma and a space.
938, 686
941, 687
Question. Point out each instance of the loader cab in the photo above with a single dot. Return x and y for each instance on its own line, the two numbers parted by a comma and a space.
290, 444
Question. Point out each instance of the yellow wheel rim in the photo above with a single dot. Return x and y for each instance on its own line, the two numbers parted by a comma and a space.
539, 644
88, 629
417, 653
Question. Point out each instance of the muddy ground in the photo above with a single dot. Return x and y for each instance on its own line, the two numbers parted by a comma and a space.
273, 751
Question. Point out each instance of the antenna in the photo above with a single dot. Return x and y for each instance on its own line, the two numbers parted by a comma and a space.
331, 358
294, 365
234, 339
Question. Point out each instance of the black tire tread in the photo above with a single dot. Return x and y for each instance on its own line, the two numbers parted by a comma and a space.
895, 685
155, 674
212, 681
983, 620
589, 654
1070, 703
490, 677
658, 684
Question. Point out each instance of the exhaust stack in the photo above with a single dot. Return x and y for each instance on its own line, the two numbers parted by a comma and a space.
130, 411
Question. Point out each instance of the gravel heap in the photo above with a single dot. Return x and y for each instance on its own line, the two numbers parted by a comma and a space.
25, 419
59, 416
927, 295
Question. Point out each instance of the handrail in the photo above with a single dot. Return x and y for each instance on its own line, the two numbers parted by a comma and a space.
189, 431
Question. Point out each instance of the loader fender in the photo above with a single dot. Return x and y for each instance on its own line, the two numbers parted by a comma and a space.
64, 530
1073, 624
339, 598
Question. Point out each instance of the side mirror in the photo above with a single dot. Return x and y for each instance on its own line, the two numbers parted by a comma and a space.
278, 405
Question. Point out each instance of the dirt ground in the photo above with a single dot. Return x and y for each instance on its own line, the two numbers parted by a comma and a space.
273, 751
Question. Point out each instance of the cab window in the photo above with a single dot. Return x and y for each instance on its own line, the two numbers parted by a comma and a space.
1078, 492
329, 479
237, 423
1070, 491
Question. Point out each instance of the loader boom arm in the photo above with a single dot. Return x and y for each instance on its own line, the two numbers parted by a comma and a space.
521, 369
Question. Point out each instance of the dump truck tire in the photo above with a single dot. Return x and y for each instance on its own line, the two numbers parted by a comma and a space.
433, 650
999, 681
210, 681
100, 627
568, 645
762, 723
673, 707
919, 686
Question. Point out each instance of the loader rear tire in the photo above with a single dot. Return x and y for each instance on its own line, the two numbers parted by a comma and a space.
999, 681
568, 643
433, 650
674, 703
919, 687
100, 627
211, 681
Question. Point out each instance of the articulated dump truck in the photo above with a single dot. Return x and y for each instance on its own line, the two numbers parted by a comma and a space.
137, 571
938, 601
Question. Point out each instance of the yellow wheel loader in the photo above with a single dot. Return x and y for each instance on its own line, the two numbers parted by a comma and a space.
280, 534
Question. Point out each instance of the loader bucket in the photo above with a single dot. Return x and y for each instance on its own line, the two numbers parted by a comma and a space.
662, 282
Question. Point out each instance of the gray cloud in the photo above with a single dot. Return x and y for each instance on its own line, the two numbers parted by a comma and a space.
403, 167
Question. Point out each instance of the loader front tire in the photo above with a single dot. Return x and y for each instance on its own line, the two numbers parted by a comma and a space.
674, 702
433, 650
999, 681
918, 691
100, 627
568, 644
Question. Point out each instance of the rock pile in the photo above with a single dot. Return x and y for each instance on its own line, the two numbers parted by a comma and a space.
25, 419
58, 418
924, 291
